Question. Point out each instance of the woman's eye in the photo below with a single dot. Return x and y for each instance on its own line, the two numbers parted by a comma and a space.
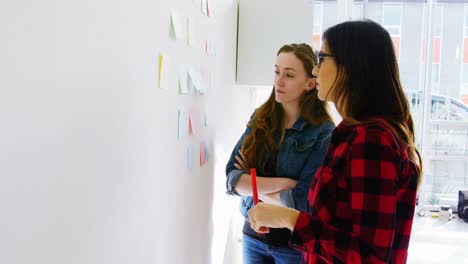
276, 72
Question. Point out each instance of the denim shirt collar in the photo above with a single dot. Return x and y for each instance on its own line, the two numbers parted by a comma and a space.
299, 124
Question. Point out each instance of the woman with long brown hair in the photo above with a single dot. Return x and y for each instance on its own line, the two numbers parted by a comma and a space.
285, 140
362, 198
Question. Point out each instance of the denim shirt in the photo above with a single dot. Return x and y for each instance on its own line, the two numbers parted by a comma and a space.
300, 155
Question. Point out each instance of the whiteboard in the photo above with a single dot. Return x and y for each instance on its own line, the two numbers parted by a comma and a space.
265, 26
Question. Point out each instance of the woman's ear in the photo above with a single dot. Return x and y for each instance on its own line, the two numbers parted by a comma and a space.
311, 84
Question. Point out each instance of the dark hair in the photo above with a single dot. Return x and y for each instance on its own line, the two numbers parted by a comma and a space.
368, 85
267, 122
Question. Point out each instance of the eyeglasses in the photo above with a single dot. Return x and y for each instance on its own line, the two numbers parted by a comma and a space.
321, 56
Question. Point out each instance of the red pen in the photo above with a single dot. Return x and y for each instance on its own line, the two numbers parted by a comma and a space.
253, 176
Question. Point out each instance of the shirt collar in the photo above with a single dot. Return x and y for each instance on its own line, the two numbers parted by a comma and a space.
343, 128
299, 124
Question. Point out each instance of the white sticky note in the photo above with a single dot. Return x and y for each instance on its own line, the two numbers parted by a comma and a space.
213, 47
183, 81
203, 7
211, 80
197, 81
176, 25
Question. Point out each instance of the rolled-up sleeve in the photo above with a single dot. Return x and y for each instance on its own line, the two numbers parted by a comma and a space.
231, 181
287, 199
232, 173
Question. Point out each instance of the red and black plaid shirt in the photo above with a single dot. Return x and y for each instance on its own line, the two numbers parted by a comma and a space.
362, 200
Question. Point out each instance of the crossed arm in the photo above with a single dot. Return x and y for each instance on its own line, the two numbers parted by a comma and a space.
268, 187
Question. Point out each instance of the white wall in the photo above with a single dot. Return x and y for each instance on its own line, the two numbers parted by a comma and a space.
91, 170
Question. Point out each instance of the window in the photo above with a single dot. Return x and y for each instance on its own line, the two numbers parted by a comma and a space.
438, 18
357, 11
464, 77
435, 77
316, 38
391, 20
407, 22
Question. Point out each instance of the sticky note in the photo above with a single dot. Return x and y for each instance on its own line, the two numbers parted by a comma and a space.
176, 25
213, 47
197, 81
182, 124
183, 81
203, 7
191, 128
202, 153
211, 80
189, 31
210, 47
163, 72
207, 151
204, 117
190, 156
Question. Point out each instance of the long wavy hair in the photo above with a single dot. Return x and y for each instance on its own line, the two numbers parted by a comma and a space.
368, 88
267, 122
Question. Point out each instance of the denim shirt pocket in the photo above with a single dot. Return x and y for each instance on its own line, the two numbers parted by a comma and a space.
302, 145
295, 154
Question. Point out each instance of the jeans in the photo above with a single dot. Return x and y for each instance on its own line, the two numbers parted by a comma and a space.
257, 252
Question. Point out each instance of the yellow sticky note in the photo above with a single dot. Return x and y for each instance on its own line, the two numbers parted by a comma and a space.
163, 74
189, 32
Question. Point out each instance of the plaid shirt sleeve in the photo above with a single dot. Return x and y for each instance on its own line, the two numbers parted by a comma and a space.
354, 210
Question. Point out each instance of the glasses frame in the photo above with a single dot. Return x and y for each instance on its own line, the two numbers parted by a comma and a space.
321, 56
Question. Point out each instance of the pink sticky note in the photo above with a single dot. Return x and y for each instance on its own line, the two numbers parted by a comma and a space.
191, 128
202, 153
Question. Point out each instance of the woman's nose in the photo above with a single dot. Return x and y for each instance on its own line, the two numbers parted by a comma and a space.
315, 71
279, 81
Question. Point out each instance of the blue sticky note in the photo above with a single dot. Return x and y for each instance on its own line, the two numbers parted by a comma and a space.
207, 150
206, 124
190, 156
183, 123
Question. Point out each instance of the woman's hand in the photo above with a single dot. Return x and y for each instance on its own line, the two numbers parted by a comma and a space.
242, 164
274, 216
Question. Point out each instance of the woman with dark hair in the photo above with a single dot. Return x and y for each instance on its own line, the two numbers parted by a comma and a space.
285, 140
363, 196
